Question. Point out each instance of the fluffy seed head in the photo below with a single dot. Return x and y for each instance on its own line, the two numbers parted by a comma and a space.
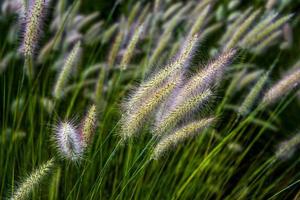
249, 39
180, 110
200, 22
133, 119
88, 125
209, 75
115, 48
287, 148
66, 71
173, 69
283, 87
131, 47
69, 141
190, 130
252, 96
238, 34
33, 180
33, 23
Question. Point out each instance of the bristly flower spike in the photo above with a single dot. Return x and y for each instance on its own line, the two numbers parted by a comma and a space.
66, 71
33, 180
190, 130
88, 125
209, 76
33, 23
131, 47
283, 87
155, 81
287, 148
253, 95
69, 141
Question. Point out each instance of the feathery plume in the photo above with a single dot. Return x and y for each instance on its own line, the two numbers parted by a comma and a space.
156, 79
180, 110
249, 78
264, 32
88, 125
69, 141
248, 39
242, 29
267, 42
283, 87
287, 148
33, 180
115, 48
209, 75
235, 25
253, 95
200, 22
161, 45
133, 13
66, 71
171, 10
133, 119
131, 47
190, 130
106, 36
33, 23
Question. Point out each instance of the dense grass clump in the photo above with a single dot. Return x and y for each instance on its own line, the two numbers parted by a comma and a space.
145, 99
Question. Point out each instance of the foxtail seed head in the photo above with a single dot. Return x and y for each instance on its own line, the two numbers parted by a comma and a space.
69, 141
209, 75
88, 125
283, 87
33, 180
239, 33
33, 23
253, 95
131, 47
173, 69
66, 71
133, 119
190, 130
287, 148
180, 110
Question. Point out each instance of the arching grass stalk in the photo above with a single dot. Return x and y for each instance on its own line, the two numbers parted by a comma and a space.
148, 146
133, 176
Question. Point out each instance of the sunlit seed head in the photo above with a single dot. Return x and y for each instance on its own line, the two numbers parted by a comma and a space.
33, 181
88, 125
283, 87
33, 26
69, 64
286, 149
190, 130
129, 51
68, 141
179, 110
252, 96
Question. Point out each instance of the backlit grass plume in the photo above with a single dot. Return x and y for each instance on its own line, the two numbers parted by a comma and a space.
179, 110
286, 149
33, 26
33, 180
155, 80
69, 141
209, 76
131, 47
88, 125
283, 87
132, 120
253, 95
66, 70
189, 130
